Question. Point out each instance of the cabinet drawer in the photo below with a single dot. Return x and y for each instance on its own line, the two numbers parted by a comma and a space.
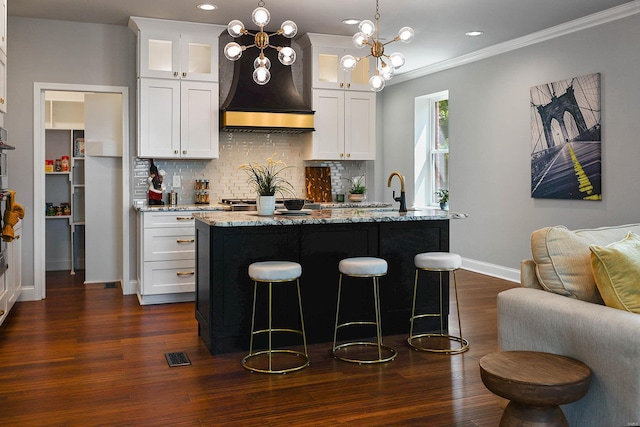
169, 244
169, 219
168, 277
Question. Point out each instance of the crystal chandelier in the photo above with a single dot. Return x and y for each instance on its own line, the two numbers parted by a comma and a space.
385, 64
262, 64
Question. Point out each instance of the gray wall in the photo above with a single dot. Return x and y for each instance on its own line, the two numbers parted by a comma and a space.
489, 129
490, 146
57, 52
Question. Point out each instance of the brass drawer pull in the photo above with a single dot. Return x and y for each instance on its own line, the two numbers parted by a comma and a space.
184, 218
1, 312
185, 240
185, 273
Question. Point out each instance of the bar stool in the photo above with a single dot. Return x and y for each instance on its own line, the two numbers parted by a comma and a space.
275, 272
440, 262
362, 267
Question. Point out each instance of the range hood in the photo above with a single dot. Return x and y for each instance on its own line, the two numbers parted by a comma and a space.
275, 107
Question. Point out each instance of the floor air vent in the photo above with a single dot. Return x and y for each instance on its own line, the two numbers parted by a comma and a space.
177, 359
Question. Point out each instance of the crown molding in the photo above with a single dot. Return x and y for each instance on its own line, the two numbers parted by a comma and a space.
613, 14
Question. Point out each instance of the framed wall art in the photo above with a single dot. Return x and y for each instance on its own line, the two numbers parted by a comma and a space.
566, 139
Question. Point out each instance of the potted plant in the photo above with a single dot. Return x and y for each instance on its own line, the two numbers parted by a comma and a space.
443, 198
266, 179
357, 190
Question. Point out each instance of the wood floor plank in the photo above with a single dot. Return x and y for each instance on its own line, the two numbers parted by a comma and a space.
88, 356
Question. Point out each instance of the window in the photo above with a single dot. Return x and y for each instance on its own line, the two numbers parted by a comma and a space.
431, 148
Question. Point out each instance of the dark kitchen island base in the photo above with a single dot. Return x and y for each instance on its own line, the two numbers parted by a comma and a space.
224, 292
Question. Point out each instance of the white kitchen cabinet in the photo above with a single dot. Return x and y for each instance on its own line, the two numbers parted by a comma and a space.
177, 50
14, 260
3, 27
3, 57
178, 93
3, 82
345, 126
178, 119
166, 257
345, 107
11, 280
324, 53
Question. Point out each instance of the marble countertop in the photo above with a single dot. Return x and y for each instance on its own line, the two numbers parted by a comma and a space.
179, 208
322, 216
220, 207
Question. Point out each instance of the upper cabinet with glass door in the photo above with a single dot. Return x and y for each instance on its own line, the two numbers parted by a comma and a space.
176, 50
325, 72
3, 27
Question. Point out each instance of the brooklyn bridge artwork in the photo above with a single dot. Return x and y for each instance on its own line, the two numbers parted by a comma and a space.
565, 139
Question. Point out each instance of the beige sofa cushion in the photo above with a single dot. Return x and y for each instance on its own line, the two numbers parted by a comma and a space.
616, 270
563, 258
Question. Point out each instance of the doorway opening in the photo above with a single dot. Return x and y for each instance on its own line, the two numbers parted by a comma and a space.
86, 222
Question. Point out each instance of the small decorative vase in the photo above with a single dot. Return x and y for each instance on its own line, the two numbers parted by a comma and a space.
356, 197
266, 205
444, 206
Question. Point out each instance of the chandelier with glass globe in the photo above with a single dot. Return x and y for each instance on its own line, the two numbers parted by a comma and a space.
385, 64
261, 17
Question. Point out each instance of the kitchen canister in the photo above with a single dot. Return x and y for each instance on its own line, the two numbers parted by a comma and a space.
173, 198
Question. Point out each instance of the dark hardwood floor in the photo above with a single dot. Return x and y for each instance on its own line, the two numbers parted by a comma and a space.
87, 356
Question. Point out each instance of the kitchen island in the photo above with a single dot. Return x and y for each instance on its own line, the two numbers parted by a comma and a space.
227, 242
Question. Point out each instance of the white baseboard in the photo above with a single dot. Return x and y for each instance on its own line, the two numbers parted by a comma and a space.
130, 287
493, 270
166, 298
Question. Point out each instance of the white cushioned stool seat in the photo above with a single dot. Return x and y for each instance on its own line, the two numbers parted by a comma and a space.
438, 261
359, 268
278, 360
363, 266
442, 263
275, 271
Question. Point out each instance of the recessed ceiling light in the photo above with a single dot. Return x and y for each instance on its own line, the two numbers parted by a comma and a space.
207, 6
351, 21
474, 33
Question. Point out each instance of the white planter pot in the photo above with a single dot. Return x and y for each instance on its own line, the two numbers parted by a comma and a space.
266, 205
356, 197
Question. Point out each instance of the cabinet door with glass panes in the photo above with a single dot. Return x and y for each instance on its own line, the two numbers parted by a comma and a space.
175, 55
327, 73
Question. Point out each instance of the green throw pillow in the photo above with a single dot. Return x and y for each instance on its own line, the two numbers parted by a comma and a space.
616, 270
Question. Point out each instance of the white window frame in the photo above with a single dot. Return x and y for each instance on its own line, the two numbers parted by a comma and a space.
425, 128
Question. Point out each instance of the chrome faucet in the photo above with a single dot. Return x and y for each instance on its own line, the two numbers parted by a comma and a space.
401, 199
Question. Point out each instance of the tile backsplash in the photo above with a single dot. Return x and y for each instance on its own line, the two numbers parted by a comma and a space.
226, 181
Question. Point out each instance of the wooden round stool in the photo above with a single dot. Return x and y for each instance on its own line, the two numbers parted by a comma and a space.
536, 384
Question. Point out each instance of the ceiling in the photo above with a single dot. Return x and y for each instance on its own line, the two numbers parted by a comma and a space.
440, 25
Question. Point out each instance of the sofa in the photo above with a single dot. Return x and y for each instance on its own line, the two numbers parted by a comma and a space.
559, 309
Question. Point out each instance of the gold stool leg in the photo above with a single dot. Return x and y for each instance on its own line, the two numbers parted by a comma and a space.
270, 327
464, 344
253, 317
376, 303
392, 353
269, 352
335, 329
304, 335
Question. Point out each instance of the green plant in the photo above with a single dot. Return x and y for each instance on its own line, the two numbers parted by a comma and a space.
442, 195
266, 178
357, 185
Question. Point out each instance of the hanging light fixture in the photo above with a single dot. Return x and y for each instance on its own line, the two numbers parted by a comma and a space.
261, 17
385, 64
